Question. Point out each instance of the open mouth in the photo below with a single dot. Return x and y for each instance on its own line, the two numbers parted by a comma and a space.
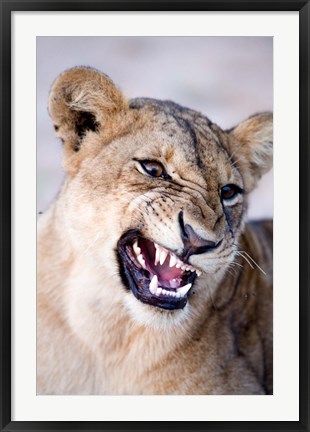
155, 275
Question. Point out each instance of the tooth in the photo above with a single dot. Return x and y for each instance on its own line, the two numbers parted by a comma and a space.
167, 293
178, 295
153, 284
173, 260
183, 267
158, 291
136, 248
141, 260
178, 265
163, 256
198, 273
157, 255
184, 289
192, 269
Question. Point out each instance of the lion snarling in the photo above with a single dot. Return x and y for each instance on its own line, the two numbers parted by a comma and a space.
149, 279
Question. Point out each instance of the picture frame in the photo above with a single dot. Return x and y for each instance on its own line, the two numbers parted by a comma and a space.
7, 267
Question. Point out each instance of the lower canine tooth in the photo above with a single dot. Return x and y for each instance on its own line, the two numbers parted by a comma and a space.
141, 260
153, 284
184, 289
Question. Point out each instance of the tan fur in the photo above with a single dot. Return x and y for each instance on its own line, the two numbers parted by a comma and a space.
93, 335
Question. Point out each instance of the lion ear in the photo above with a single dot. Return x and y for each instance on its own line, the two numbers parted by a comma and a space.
252, 147
82, 102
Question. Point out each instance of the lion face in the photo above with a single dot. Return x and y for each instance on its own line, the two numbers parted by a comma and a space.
156, 193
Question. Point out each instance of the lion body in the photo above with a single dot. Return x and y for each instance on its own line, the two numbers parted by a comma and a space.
93, 335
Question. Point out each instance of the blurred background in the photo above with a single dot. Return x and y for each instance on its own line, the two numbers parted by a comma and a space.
226, 78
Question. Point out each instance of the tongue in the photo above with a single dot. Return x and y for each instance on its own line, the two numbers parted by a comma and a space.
163, 272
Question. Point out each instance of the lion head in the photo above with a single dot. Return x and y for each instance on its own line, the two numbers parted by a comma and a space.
156, 194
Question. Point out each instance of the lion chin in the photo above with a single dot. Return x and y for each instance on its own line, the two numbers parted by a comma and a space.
147, 269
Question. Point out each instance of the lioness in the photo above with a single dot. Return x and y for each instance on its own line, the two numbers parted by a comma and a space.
149, 280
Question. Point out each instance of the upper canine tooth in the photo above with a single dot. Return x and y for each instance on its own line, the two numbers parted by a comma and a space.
153, 284
184, 289
141, 260
163, 256
136, 248
173, 260
156, 255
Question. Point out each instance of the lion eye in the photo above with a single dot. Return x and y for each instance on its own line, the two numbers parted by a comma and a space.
228, 192
154, 169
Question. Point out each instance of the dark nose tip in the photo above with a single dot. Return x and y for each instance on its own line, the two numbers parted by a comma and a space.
193, 243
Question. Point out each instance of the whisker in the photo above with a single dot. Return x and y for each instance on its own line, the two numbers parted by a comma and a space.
254, 262
245, 258
236, 161
232, 271
99, 234
238, 264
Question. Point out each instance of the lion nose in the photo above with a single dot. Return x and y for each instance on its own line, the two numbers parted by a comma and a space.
193, 243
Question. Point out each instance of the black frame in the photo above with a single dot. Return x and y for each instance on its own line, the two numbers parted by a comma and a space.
8, 6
